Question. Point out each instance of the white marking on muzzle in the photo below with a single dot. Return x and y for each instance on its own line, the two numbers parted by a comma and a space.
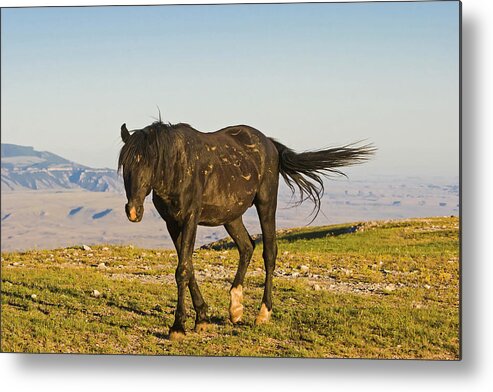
132, 214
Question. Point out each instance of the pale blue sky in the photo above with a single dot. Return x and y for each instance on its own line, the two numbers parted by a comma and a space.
311, 75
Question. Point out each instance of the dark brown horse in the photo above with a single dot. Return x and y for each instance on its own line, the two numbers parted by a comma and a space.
211, 179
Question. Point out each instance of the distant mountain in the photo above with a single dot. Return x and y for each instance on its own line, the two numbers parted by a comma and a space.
25, 168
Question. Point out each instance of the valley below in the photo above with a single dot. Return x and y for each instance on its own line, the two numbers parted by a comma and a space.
50, 218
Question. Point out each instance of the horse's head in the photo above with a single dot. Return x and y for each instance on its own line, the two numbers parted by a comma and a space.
135, 163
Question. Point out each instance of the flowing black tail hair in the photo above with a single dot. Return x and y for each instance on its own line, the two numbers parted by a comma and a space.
305, 170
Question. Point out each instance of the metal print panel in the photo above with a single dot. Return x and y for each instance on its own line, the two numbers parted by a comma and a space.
275, 180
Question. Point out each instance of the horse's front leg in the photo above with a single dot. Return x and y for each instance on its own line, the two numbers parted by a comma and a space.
183, 274
200, 306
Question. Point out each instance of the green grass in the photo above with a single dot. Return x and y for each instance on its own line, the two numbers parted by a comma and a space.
386, 290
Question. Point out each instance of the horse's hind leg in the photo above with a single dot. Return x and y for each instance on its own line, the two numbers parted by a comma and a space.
236, 229
266, 203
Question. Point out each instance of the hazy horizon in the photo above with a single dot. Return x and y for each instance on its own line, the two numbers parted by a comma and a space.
310, 75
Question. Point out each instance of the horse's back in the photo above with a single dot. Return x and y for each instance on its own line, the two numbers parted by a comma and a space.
242, 133
246, 138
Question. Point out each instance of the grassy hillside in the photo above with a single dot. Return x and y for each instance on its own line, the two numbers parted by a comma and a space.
373, 290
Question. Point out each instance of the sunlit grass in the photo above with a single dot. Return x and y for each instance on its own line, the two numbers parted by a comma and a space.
381, 290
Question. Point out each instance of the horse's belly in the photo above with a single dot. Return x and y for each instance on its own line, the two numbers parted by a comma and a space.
227, 195
217, 215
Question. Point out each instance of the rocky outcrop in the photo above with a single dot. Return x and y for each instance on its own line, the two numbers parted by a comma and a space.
25, 168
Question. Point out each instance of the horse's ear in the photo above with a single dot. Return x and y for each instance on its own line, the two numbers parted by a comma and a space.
124, 132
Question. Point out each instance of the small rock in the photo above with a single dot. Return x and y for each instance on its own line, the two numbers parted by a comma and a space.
390, 287
427, 286
95, 294
131, 247
304, 268
16, 263
85, 247
101, 265
316, 287
90, 254
285, 253
222, 257
295, 274
173, 255
33, 296
105, 248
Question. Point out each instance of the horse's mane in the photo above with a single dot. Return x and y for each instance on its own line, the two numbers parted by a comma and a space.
148, 146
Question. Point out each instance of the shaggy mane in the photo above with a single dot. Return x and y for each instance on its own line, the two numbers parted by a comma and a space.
147, 146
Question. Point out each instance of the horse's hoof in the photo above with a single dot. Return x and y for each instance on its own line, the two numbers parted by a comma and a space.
235, 307
176, 336
260, 320
263, 316
203, 326
235, 314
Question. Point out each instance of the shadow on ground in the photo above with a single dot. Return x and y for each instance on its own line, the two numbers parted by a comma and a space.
286, 235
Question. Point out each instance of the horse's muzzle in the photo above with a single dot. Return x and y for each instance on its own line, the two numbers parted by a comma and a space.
134, 214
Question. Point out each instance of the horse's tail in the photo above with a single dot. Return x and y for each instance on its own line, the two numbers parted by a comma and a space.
305, 170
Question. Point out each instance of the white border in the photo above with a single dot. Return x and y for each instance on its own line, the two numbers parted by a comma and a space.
95, 373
